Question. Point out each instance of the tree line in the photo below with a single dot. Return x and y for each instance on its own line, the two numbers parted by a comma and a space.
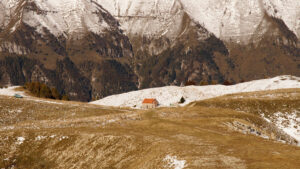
42, 90
204, 83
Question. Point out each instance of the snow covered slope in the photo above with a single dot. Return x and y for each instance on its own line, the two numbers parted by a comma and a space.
10, 91
289, 122
227, 19
147, 17
60, 17
67, 16
170, 95
233, 19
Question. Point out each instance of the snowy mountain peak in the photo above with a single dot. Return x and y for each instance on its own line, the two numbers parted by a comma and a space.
228, 20
60, 17
234, 19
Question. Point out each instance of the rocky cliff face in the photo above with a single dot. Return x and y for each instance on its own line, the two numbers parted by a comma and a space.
68, 44
261, 36
91, 49
169, 46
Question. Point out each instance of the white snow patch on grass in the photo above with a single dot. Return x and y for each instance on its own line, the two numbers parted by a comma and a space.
265, 118
170, 95
38, 138
173, 162
19, 111
45, 101
63, 137
287, 122
20, 140
107, 122
52, 136
7, 128
10, 91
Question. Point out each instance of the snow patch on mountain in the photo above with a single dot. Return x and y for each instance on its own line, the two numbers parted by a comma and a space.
234, 19
66, 17
171, 95
60, 17
228, 20
12, 47
287, 10
151, 18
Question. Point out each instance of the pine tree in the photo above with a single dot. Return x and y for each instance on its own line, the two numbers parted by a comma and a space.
36, 88
65, 97
45, 91
190, 83
203, 83
55, 94
42, 90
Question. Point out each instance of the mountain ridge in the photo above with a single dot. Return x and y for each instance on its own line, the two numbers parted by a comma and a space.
207, 12
146, 43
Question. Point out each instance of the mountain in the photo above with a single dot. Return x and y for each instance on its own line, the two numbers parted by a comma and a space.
259, 38
68, 44
90, 49
228, 20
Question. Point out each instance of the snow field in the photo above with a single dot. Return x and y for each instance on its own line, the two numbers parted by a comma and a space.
170, 95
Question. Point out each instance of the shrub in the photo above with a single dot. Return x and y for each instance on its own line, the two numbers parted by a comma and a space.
42, 90
55, 94
65, 97
182, 100
203, 83
214, 82
227, 83
45, 91
190, 83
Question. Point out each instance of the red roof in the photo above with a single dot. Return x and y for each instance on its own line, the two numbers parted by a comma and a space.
149, 101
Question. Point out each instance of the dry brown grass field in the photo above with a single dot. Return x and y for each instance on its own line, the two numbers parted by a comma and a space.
40, 133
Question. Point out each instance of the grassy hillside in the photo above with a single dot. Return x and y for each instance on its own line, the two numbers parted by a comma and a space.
208, 134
